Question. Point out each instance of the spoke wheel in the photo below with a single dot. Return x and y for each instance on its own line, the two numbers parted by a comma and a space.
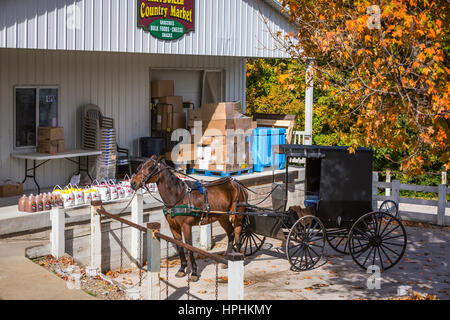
377, 238
390, 207
249, 242
338, 240
305, 243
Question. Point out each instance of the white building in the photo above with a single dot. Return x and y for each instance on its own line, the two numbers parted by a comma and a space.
92, 51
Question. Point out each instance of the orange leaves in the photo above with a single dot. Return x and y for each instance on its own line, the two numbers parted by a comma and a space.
282, 78
381, 88
350, 24
415, 296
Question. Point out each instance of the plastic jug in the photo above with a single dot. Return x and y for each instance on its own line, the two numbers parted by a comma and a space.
30, 204
47, 200
39, 203
59, 201
21, 204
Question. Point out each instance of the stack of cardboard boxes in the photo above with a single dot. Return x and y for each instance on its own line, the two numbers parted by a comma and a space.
50, 140
221, 138
170, 114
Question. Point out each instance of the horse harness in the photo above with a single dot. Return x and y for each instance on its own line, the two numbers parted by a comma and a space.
190, 209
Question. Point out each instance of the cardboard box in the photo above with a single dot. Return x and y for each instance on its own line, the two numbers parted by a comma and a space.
175, 101
220, 127
11, 189
162, 88
216, 156
167, 120
218, 167
193, 115
51, 146
48, 146
61, 146
164, 117
179, 121
50, 133
220, 111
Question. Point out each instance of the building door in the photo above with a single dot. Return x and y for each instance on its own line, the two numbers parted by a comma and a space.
212, 90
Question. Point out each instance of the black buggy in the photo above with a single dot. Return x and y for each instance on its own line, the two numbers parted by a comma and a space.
338, 193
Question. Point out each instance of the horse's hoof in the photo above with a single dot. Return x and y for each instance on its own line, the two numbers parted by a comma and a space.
180, 274
194, 278
224, 266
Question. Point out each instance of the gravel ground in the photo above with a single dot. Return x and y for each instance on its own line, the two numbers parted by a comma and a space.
424, 267
67, 269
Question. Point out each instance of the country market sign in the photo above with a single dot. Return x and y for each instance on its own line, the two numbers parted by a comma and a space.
166, 19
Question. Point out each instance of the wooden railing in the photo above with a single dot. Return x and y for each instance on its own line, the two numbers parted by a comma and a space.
235, 261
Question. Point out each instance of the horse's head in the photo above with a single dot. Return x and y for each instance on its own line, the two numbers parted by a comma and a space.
147, 173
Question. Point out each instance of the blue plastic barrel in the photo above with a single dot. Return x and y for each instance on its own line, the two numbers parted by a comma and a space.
263, 140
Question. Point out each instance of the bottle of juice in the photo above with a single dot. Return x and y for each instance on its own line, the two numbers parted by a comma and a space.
22, 202
53, 200
59, 200
39, 203
46, 199
31, 203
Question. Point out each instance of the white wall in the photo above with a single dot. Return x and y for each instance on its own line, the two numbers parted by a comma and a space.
117, 82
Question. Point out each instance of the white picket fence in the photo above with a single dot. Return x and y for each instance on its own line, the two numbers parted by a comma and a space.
58, 248
393, 193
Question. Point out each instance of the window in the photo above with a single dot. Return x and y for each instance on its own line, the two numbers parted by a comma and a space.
35, 107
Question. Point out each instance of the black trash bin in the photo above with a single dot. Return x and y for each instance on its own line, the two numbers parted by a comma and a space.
150, 146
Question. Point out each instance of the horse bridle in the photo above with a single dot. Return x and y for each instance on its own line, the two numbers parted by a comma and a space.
157, 170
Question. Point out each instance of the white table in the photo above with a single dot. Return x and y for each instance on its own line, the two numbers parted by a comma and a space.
45, 157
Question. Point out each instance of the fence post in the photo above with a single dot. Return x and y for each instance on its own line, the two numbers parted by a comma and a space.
396, 191
154, 261
205, 237
374, 190
57, 236
96, 236
444, 177
442, 191
235, 276
388, 180
137, 216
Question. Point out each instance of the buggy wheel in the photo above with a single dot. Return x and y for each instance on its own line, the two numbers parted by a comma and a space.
305, 243
249, 242
390, 207
377, 238
338, 240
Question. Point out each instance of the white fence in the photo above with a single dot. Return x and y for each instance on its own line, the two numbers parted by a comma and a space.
301, 137
57, 245
393, 193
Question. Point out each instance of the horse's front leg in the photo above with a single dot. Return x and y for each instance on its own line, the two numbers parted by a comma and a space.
187, 232
182, 271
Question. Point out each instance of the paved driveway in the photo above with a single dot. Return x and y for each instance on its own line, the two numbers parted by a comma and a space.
425, 267
22, 279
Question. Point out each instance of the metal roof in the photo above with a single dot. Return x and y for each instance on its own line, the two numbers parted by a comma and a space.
223, 28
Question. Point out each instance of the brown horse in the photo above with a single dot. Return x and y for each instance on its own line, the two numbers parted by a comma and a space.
222, 195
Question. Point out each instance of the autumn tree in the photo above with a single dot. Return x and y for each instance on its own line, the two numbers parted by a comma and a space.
385, 64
